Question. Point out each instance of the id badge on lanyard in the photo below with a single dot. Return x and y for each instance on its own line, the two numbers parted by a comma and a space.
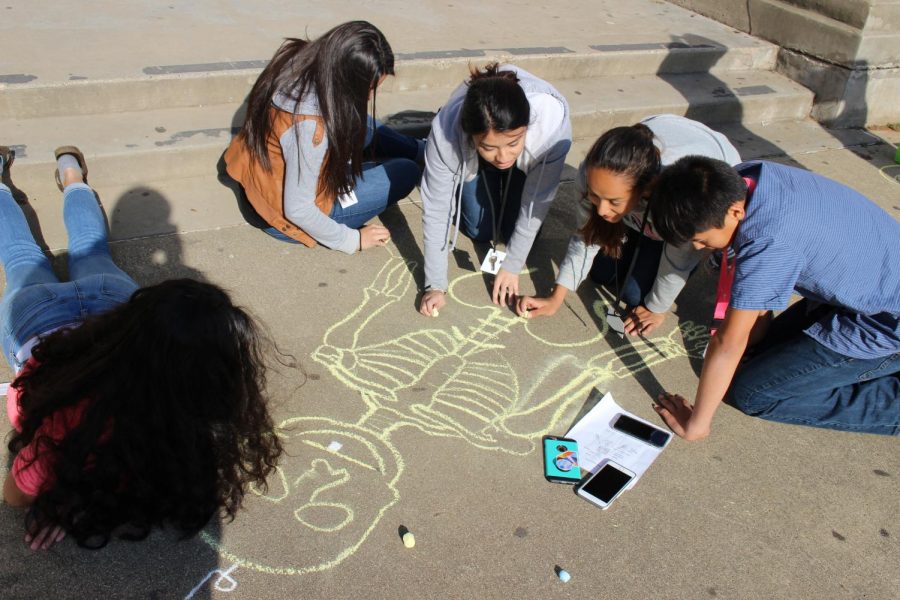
615, 318
493, 261
494, 258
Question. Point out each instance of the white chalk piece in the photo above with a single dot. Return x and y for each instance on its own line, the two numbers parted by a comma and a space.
335, 446
409, 540
4, 387
564, 576
434, 312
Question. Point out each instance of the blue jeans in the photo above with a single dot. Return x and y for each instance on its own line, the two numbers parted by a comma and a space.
606, 271
477, 215
35, 301
382, 183
794, 379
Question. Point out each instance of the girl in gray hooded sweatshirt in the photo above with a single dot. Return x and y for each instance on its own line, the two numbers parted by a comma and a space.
493, 163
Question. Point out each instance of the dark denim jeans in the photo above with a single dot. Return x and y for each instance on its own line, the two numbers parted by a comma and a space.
35, 301
478, 214
608, 271
795, 379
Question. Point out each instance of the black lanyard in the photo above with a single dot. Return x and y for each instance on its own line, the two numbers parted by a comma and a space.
504, 192
637, 249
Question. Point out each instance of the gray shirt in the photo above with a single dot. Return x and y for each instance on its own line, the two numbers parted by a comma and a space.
302, 166
451, 159
676, 137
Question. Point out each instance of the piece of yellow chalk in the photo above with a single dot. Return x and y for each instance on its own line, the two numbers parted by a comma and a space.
434, 312
409, 540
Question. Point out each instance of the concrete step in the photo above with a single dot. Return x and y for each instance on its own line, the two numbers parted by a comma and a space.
812, 30
162, 206
155, 145
172, 86
880, 15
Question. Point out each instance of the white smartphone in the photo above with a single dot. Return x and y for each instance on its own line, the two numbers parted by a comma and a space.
604, 485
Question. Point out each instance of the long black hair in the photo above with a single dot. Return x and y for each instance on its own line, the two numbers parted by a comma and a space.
174, 427
341, 67
627, 151
494, 101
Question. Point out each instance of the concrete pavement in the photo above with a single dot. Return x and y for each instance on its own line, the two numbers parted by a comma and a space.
429, 441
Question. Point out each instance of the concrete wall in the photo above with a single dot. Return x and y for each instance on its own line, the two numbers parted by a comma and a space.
846, 51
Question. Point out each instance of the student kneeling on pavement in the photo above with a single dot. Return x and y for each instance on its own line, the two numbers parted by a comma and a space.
830, 360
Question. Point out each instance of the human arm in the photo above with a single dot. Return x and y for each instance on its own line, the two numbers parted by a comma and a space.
432, 302
438, 191
531, 306
550, 136
45, 536
575, 266
693, 422
373, 235
675, 266
14, 496
301, 181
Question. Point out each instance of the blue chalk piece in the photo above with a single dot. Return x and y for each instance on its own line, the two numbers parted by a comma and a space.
564, 576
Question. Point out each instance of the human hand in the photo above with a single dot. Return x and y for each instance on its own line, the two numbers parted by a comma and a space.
372, 235
530, 306
677, 414
506, 287
642, 321
45, 537
432, 301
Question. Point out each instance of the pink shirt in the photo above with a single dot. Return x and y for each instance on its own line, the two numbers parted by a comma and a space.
30, 478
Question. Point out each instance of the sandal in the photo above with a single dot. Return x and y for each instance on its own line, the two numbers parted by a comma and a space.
74, 151
6, 158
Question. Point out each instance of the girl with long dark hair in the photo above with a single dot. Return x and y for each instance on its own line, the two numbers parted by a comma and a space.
493, 163
133, 408
614, 180
299, 156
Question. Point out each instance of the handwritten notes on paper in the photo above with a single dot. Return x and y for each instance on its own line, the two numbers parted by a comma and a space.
598, 441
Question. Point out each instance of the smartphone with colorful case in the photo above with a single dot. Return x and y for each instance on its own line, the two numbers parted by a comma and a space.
561, 463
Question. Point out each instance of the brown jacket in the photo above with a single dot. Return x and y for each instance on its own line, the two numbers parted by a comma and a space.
265, 189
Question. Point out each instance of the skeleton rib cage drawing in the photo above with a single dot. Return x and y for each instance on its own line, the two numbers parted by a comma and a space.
339, 478
476, 393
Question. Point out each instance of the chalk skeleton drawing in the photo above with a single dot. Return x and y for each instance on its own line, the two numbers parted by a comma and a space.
442, 379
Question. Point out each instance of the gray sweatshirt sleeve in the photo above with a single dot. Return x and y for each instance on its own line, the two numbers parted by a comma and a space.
675, 266
677, 137
537, 196
576, 265
438, 193
301, 179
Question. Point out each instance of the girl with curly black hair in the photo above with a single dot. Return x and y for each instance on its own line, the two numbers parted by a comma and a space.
133, 408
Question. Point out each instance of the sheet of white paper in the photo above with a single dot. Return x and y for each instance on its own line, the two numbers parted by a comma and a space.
493, 261
598, 441
348, 200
